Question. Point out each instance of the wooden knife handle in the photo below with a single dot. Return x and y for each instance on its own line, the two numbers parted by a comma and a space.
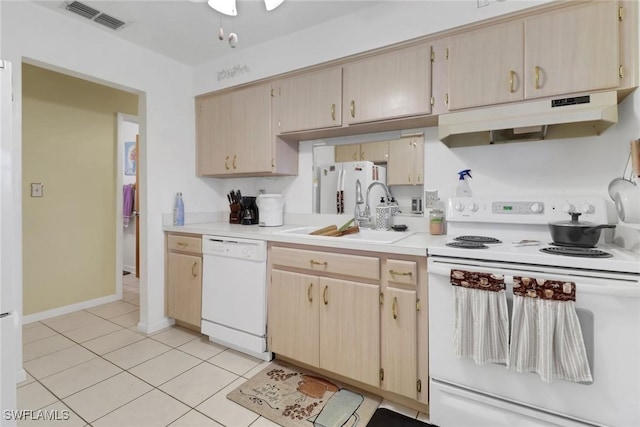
635, 156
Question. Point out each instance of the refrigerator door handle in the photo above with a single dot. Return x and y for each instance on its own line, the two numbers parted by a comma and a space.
5, 315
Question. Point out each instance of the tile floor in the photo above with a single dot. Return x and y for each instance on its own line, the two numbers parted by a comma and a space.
96, 365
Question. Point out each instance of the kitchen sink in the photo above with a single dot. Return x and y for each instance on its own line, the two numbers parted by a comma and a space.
365, 235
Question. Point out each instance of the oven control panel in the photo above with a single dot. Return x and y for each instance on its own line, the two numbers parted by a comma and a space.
534, 210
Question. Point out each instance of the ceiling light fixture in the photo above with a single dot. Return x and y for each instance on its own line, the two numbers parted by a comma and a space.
228, 7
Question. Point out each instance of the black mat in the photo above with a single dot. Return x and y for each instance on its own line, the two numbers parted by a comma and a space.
385, 418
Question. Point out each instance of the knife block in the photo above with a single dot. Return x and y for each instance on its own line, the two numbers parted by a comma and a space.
234, 215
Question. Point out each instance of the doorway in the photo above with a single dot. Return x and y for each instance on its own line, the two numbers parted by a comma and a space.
70, 249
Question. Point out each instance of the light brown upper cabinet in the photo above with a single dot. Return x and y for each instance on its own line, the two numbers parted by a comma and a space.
572, 50
565, 51
311, 101
234, 135
387, 86
406, 161
376, 152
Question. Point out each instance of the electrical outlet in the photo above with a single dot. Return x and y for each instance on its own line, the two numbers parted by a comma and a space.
483, 3
36, 189
430, 197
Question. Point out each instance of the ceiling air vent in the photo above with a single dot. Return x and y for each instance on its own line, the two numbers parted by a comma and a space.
109, 21
93, 14
82, 9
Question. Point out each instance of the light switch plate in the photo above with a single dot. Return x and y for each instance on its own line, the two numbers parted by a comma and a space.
430, 197
37, 189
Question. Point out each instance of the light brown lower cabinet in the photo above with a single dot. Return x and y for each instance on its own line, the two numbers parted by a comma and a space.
183, 287
363, 325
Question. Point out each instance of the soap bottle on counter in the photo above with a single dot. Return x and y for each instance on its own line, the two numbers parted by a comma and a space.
383, 215
178, 210
463, 189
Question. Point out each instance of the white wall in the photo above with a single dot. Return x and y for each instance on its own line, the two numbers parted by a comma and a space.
32, 33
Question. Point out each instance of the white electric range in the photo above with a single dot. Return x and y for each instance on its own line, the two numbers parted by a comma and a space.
607, 306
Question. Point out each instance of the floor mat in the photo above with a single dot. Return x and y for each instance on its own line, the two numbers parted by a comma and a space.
384, 417
293, 397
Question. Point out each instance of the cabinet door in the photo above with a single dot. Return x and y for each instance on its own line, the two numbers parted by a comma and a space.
376, 152
399, 350
251, 124
213, 135
184, 287
572, 50
485, 66
389, 85
294, 316
406, 161
311, 101
347, 153
350, 329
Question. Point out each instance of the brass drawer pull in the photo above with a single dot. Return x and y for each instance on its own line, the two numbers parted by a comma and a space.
512, 75
400, 273
394, 308
333, 111
234, 161
352, 108
194, 272
537, 71
324, 296
226, 163
314, 262
309, 289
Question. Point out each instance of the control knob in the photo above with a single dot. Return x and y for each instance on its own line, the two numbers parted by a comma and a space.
568, 207
459, 206
587, 208
536, 207
472, 206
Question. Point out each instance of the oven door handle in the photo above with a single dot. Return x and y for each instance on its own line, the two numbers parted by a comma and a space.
607, 287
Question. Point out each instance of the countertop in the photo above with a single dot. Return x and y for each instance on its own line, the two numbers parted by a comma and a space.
414, 244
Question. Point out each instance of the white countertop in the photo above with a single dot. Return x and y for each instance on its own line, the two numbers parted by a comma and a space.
414, 244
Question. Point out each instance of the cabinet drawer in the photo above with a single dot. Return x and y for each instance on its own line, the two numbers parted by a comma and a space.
326, 262
403, 272
184, 244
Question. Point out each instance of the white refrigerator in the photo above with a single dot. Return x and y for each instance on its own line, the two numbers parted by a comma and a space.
8, 312
338, 186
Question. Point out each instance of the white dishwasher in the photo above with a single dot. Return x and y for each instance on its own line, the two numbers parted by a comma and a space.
234, 294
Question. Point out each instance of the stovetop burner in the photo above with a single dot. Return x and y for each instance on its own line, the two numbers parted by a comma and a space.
467, 245
577, 252
477, 239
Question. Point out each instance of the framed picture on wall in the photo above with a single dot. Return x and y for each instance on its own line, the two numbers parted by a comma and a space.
130, 158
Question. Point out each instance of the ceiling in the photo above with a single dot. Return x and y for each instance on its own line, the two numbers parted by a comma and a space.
187, 30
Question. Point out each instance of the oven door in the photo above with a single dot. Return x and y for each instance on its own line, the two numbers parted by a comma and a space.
608, 307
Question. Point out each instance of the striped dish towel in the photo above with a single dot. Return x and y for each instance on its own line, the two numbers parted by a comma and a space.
546, 337
481, 320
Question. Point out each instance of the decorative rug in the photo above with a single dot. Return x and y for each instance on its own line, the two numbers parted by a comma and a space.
293, 397
384, 417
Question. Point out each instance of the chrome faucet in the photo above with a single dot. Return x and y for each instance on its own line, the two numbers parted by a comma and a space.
367, 210
358, 215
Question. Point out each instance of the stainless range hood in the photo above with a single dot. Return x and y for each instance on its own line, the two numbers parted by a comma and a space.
563, 117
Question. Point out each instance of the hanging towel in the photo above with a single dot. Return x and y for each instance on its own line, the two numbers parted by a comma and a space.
128, 196
546, 337
481, 320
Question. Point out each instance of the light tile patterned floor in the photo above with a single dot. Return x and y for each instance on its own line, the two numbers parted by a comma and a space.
96, 365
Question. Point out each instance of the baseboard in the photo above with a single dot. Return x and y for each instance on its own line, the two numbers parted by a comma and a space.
157, 326
36, 317
21, 375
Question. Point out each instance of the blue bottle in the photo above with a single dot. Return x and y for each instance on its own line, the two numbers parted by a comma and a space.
178, 210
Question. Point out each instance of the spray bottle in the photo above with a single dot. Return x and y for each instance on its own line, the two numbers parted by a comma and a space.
178, 210
463, 189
